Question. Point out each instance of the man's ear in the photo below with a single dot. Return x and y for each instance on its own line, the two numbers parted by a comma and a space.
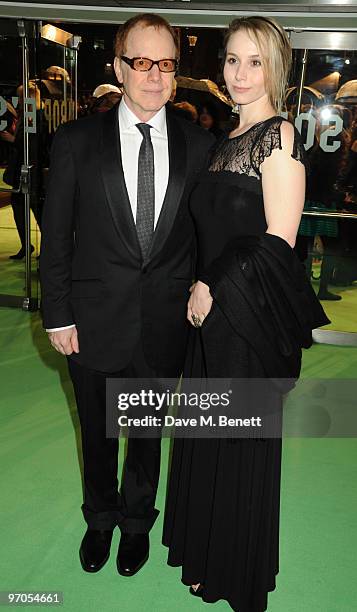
117, 69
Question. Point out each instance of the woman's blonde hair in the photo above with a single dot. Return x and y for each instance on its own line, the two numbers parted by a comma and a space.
275, 50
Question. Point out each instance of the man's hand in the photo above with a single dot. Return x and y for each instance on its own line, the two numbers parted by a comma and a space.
200, 302
65, 341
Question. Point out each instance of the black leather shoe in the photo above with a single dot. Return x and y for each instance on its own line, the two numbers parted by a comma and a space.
326, 295
197, 592
133, 552
21, 253
95, 549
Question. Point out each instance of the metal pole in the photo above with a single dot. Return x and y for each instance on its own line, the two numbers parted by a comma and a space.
302, 81
75, 42
24, 180
330, 214
64, 79
75, 83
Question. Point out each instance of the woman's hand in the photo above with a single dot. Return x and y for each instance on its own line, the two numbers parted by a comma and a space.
199, 304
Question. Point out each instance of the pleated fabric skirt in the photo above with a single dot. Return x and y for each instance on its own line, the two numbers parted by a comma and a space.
221, 519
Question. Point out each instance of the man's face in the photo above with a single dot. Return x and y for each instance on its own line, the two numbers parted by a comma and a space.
146, 92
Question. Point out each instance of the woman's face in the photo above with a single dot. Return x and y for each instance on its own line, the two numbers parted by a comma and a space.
243, 69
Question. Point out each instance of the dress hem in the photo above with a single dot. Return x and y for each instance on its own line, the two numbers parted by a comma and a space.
222, 598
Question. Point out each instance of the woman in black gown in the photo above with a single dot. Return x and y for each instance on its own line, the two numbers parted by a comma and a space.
222, 510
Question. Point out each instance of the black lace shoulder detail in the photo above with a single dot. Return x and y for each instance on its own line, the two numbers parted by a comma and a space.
246, 152
299, 152
268, 139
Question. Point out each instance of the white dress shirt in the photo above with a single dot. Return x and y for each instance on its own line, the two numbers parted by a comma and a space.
130, 141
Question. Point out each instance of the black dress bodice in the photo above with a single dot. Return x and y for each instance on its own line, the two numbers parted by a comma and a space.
227, 200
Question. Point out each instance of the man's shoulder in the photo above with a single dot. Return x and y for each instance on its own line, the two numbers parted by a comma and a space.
83, 125
196, 131
193, 131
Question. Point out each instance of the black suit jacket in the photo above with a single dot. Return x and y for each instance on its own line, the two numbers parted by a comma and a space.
92, 273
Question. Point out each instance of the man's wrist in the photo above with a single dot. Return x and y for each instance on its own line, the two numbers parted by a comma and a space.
204, 281
54, 329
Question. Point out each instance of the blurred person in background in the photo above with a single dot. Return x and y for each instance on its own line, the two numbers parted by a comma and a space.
186, 110
38, 157
104, 98
208, 118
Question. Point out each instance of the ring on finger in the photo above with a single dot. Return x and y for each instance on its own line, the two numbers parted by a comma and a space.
196, 320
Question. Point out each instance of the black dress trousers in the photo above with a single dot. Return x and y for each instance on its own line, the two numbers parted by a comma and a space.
133, 508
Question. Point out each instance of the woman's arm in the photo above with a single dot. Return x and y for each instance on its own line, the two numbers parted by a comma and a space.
283, 183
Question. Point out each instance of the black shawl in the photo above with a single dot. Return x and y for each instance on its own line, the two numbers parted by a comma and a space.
262, 289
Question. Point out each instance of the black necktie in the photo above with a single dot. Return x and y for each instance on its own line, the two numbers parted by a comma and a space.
146, 191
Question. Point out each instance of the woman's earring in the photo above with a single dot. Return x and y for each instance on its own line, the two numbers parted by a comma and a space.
235, 109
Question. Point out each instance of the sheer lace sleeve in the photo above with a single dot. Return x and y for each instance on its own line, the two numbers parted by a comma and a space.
270, 139
246, 152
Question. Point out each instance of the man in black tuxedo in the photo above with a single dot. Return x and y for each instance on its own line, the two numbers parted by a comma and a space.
117, 260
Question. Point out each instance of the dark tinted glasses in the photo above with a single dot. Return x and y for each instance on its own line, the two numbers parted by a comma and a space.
144, 64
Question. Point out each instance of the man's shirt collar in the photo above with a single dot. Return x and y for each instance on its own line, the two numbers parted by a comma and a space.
128, 119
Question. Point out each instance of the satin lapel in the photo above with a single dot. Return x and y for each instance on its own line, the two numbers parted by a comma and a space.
114, 182
176, 183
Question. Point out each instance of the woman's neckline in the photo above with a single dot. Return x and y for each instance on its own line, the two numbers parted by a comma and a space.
253, 126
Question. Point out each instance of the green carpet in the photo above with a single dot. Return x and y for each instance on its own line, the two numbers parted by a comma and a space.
42, 524
12, 273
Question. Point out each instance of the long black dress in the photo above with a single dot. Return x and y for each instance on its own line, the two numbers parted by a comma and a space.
222, 510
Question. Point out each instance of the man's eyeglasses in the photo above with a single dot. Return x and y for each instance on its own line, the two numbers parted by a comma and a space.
144, 64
